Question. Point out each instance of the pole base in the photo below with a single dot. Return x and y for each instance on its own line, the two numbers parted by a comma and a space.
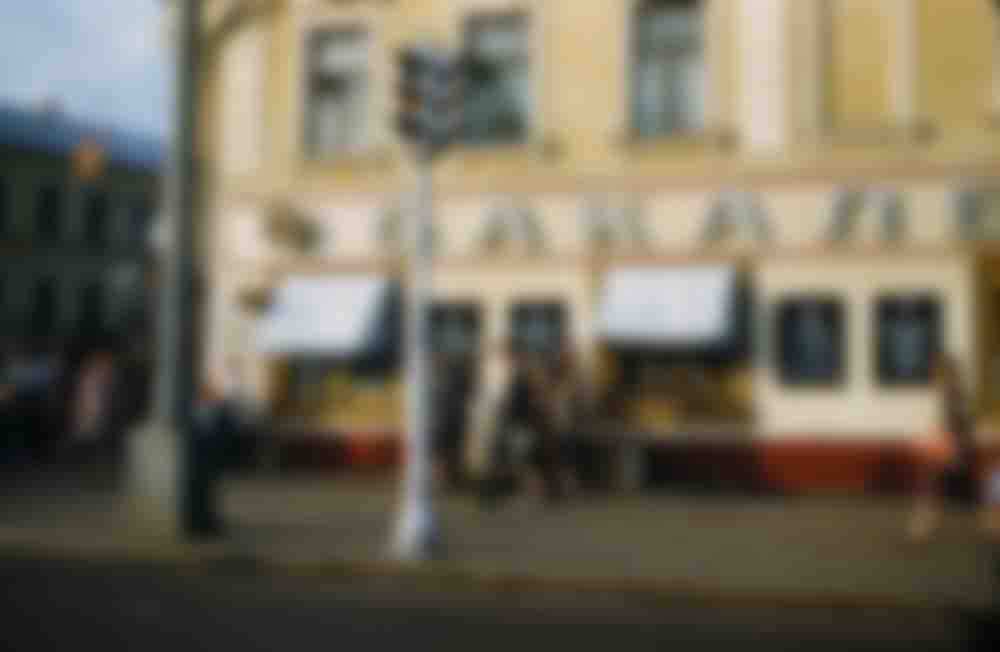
153, 477
417, 537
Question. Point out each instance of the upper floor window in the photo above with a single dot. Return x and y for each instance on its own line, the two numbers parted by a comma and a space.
92, 308
44, 306
96, 219
668, 76
498, 92
338, 90
48, 213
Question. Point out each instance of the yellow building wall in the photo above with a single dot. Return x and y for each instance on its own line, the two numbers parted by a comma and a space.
956, 61
860, 407
858, 63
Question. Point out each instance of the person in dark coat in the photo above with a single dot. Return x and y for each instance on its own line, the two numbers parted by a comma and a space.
214, 425
451, 391
523, 411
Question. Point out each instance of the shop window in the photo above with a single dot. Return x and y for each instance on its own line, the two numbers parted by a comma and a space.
668, 94
455, 328
337, 105
810, 343
498, 91
908, 331
48, 214
538, 327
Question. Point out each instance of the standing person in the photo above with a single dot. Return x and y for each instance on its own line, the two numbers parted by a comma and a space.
501, 399
451, 387
570, 408
214, 426
92, 401
948, 447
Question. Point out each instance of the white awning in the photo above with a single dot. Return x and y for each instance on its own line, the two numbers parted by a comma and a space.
663, 306
336, 316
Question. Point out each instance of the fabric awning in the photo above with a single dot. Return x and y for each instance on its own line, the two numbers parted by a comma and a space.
337, 316
686, 307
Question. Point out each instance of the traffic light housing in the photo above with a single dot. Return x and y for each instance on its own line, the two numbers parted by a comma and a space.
429, 98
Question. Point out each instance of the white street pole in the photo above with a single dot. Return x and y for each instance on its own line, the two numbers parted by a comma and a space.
416, 534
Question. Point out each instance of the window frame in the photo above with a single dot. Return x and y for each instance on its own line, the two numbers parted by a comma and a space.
560, 307
842, 341
87, 232
635, 57
465, 310
938, 326
47, 286
58, 226
311, 43
527, 58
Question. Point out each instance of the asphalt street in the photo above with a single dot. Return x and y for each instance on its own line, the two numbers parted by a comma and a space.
54, 605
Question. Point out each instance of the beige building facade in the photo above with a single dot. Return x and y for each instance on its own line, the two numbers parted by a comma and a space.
843, 155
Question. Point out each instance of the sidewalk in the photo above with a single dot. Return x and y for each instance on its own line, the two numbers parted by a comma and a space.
846, 552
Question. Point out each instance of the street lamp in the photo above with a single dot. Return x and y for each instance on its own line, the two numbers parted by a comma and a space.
428, 120
156, 459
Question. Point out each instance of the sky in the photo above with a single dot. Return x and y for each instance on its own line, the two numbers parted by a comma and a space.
101, 60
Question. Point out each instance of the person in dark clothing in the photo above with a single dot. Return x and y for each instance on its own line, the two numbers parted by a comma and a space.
214, 425
523, 412
948, 449
452, 389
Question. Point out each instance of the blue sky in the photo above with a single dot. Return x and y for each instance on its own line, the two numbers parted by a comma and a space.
103, 60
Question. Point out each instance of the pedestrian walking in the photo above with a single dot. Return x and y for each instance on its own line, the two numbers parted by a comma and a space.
947, 448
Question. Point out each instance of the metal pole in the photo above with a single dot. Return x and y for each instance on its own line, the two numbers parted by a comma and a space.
416, 534
162, 462
175, 382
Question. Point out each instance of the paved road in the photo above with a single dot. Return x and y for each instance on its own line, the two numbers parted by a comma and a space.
62, 606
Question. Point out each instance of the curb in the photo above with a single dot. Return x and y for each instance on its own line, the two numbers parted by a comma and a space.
215, 557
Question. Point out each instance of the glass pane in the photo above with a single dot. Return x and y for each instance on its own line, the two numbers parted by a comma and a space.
499, 38
689, 91
650, 98
341, 52
670, 25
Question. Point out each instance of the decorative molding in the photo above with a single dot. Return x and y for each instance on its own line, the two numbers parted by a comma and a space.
613, 224
733, 213
287, 225
849, 204
511, 225
722, 138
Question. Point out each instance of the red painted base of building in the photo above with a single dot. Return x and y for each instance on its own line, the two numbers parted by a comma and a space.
786, 466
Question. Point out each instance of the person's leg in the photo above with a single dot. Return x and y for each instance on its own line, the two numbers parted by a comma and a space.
927, 504
550, 467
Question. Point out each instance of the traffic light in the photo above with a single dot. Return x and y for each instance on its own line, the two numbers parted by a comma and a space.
430, 97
